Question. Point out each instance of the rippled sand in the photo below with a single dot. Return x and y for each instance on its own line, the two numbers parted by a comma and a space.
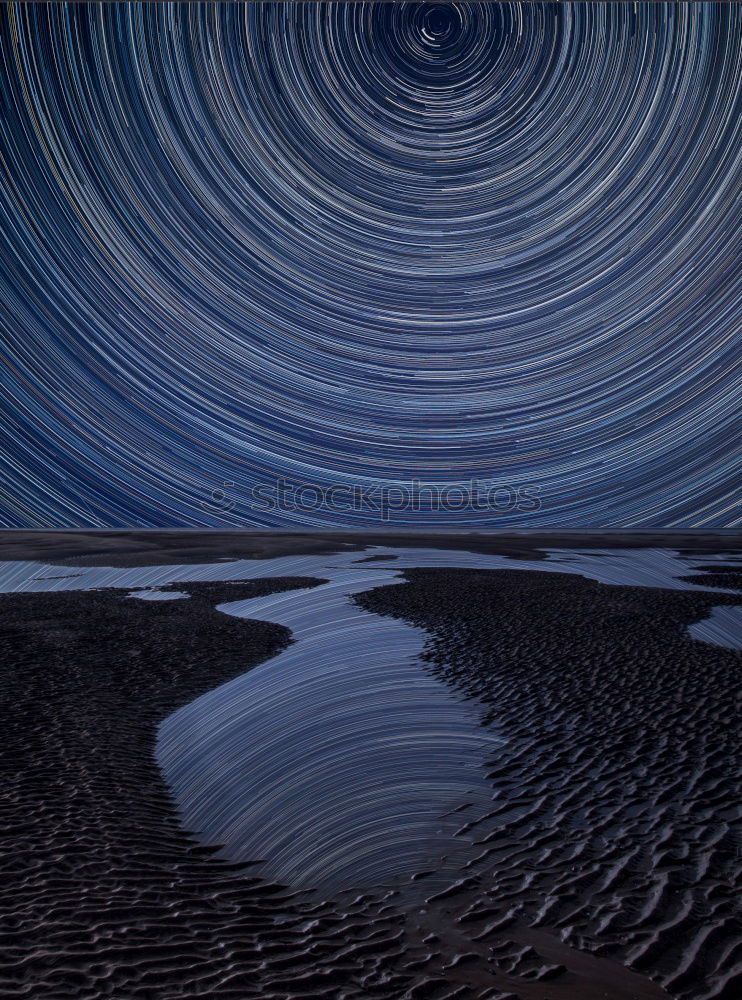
609, 839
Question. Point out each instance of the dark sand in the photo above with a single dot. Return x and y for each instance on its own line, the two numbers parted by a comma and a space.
612, 822
618, 816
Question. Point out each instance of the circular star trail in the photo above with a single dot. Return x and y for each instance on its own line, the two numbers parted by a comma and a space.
367, 244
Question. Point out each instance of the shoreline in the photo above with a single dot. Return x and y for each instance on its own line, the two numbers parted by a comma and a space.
123, 548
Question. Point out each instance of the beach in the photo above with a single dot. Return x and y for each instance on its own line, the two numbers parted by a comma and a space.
605, 867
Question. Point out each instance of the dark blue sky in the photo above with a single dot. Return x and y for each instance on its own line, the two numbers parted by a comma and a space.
364, 245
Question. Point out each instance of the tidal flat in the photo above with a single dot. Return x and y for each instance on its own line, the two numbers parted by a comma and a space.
370, 766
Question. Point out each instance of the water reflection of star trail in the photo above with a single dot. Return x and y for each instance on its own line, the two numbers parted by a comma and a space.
366, 243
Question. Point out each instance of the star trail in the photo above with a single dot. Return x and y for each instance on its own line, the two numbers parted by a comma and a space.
369, 244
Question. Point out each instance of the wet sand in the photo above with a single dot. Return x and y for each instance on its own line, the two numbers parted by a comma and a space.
611, 840
617, 822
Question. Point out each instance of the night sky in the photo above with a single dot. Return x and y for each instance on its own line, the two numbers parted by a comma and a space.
368, 245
